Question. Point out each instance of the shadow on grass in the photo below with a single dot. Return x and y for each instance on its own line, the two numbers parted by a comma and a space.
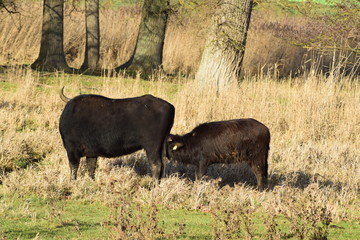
230, 174
301, 180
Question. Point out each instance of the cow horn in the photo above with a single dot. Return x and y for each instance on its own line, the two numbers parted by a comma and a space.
63, 97
177, 146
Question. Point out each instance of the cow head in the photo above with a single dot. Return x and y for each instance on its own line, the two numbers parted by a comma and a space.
173, 143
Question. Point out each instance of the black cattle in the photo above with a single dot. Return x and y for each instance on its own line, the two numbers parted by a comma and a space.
93, 126
224, 142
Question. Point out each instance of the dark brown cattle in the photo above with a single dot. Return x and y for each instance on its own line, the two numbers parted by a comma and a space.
93, 126
224, 142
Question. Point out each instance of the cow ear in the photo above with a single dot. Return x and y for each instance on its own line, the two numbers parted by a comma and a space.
177, 145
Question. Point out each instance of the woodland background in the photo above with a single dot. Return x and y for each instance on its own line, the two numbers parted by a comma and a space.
284, 38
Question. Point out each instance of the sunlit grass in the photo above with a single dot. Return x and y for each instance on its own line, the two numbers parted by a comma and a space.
313, 162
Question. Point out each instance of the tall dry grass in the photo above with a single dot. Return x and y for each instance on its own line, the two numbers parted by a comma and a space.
314, 156
314, 162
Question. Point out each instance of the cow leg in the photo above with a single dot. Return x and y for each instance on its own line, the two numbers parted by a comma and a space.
156, 165
91, 166
200, 171
260, 168
74, 160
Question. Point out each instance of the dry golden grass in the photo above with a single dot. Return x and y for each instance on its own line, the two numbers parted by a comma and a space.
314, 148
314, 160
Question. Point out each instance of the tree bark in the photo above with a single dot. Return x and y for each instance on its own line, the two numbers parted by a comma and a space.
9, 6
148, 52
92, 45
222, 58
51, 56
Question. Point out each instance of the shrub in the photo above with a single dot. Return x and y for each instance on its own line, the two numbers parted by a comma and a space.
307, 213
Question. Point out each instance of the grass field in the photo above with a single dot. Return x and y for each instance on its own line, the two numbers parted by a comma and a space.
313, 117
313, 164
32, 217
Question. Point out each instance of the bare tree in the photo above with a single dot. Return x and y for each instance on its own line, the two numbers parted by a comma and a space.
51, 56
225, 46
92, 46
148, 52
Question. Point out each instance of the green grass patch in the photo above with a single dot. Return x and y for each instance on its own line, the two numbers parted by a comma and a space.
196, 224
7, 86
345, 230
328, 2
315, 8
115, 4
26, 217
85, 84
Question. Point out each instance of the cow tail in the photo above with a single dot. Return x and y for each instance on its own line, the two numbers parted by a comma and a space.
170, 125
171, 116
266, 164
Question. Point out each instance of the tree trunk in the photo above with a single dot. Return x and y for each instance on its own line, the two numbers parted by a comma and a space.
148, 52
222, 58
92, 45
51, 56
